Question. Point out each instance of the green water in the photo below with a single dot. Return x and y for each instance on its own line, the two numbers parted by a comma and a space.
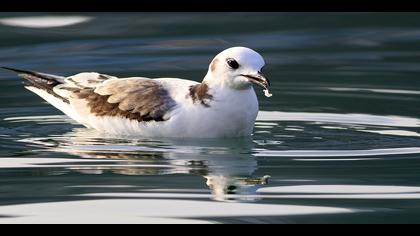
340, 138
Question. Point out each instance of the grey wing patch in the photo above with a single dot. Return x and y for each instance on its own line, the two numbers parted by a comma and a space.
135, 98
88, 80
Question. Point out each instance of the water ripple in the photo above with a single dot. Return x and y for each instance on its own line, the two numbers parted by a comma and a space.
364, 119
339, 153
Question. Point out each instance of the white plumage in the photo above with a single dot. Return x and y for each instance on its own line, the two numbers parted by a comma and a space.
224, 104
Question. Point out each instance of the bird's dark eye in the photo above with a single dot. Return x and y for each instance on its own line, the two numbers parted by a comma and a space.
232, 63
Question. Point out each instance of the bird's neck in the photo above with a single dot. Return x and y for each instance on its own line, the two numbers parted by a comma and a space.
211, 89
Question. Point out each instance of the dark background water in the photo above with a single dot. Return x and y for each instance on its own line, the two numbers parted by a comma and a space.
340, 137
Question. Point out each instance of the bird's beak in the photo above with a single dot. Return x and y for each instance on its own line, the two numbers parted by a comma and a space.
258, 79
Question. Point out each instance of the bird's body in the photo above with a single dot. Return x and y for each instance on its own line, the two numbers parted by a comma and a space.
165, 107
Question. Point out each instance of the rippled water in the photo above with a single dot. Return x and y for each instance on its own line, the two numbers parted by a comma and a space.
339, 142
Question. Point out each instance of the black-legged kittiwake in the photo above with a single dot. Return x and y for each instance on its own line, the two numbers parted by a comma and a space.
224, 104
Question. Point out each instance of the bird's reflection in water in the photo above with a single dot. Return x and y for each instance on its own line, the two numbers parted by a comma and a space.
231, 188
227, 165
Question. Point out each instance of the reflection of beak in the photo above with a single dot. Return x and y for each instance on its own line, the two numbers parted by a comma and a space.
258, 79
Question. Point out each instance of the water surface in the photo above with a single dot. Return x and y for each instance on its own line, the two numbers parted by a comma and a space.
339, 142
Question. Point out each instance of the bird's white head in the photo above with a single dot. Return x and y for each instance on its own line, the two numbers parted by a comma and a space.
237, 68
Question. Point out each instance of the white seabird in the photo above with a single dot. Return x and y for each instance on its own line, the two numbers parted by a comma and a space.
224, 104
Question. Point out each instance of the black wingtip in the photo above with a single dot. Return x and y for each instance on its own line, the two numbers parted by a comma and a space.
39, 80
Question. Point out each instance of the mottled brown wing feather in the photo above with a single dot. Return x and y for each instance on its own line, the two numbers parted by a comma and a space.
135, 99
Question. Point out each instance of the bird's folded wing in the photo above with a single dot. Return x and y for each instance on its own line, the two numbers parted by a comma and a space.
141, 99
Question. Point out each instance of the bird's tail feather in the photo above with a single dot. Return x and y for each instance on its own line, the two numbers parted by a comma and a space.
45, 82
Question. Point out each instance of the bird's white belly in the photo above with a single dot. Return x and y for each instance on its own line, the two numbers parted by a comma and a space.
214, 125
